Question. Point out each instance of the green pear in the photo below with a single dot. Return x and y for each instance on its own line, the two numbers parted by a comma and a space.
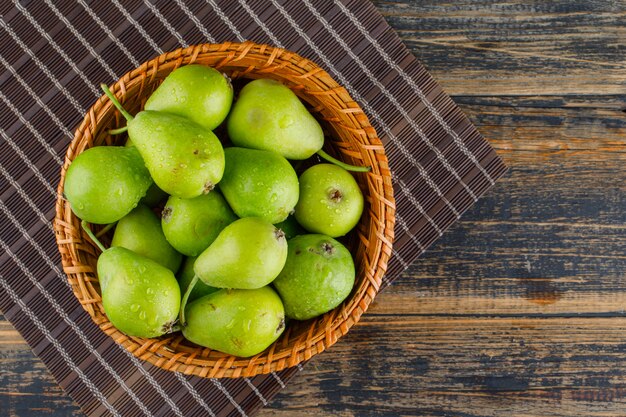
185, 276
259, 184
249, 253
104, 183
198, 92
184, 158
140, 231
238, 322
268, 115
331, 201
317, 277
140, 297
192, 224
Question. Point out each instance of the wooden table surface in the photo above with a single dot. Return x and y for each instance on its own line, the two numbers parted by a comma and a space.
519, 309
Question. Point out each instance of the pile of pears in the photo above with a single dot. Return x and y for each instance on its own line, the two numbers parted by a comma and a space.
219, 238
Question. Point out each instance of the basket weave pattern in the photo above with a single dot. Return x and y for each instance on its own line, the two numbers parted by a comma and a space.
354, 141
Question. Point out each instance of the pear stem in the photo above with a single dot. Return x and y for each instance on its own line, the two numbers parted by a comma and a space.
175, 328
183, 303
93, 237
106, 229
343, 165
116, 103
118, 130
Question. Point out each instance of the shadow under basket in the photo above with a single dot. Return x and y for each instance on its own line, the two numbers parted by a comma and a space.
350, 137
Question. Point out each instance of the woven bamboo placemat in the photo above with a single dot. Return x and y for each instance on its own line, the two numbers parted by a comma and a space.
54, 55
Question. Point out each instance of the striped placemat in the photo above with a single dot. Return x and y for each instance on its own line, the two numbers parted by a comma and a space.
53, 56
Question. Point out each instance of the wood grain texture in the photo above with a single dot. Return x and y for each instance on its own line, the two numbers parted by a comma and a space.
467, 366
519, 308
516, 47
26, 387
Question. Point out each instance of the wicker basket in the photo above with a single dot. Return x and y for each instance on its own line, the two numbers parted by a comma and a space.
353, 140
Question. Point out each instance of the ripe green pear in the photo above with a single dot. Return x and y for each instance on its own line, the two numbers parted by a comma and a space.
104, 183
184, 158
238, 322
317, 277
330, 201
140, 297
140, 231
192, 224
268, 115
186, 274
197, 92
259, 184
249, 253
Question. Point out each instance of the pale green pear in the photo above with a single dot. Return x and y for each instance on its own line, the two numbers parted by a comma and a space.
104, 183
184, 158
331, 201
140, 231
268, 115
238, 322
249, 253
318, 275
192, 224
198, 92
140, 297
259, 184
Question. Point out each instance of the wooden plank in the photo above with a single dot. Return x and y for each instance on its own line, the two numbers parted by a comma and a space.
516, 47
466, 367
414, 365
517, 266
550, 238
539, 132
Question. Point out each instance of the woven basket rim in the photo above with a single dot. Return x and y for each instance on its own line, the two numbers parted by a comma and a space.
250, 60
